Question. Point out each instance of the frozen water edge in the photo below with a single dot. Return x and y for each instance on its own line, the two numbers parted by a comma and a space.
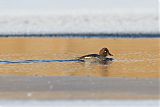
80, 103
86, 35
79, 23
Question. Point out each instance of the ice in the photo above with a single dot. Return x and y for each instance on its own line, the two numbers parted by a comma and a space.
85, 16
80, 103
79, 23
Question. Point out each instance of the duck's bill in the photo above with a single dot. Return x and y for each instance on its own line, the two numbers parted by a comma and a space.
110, 54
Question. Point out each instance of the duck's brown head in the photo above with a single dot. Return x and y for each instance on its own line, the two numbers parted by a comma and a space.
104, 52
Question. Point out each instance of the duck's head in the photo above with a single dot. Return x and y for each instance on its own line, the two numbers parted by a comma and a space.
104, 52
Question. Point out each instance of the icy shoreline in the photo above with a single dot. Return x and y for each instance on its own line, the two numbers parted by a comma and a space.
85, 35
81, 103
79, 23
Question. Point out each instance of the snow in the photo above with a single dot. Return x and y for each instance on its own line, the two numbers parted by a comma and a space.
90, 16
80, 103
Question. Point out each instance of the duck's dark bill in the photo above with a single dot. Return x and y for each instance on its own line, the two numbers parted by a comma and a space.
110, 54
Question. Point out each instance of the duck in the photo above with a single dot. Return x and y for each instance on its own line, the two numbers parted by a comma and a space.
102, 57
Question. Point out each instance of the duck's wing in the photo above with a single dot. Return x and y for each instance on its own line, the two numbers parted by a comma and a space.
109, 59
90, 55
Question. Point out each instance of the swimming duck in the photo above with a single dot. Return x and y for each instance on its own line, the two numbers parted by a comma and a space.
101, 57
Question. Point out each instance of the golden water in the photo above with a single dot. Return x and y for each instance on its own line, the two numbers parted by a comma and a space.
133, 57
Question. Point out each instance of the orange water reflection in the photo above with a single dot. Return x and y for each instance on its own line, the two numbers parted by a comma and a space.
134, 57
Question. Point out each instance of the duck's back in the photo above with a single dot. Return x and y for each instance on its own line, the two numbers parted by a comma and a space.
88, 56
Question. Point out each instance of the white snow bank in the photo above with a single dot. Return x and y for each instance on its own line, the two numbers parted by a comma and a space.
79, 23
78, 16
80, 103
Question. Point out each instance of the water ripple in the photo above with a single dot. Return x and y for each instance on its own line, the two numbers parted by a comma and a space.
36, 61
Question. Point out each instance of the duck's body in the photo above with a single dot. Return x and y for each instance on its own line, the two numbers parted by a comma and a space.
99, 58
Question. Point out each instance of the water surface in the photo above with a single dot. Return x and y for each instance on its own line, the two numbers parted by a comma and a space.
54, 57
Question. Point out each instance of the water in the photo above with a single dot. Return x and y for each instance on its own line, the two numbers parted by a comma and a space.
37, 61
54, 57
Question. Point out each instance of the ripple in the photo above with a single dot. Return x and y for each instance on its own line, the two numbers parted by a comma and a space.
128, 60
36, 61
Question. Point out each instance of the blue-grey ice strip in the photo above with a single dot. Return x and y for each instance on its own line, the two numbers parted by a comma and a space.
86, 35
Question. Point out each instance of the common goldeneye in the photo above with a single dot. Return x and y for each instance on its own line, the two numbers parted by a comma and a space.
100, 58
